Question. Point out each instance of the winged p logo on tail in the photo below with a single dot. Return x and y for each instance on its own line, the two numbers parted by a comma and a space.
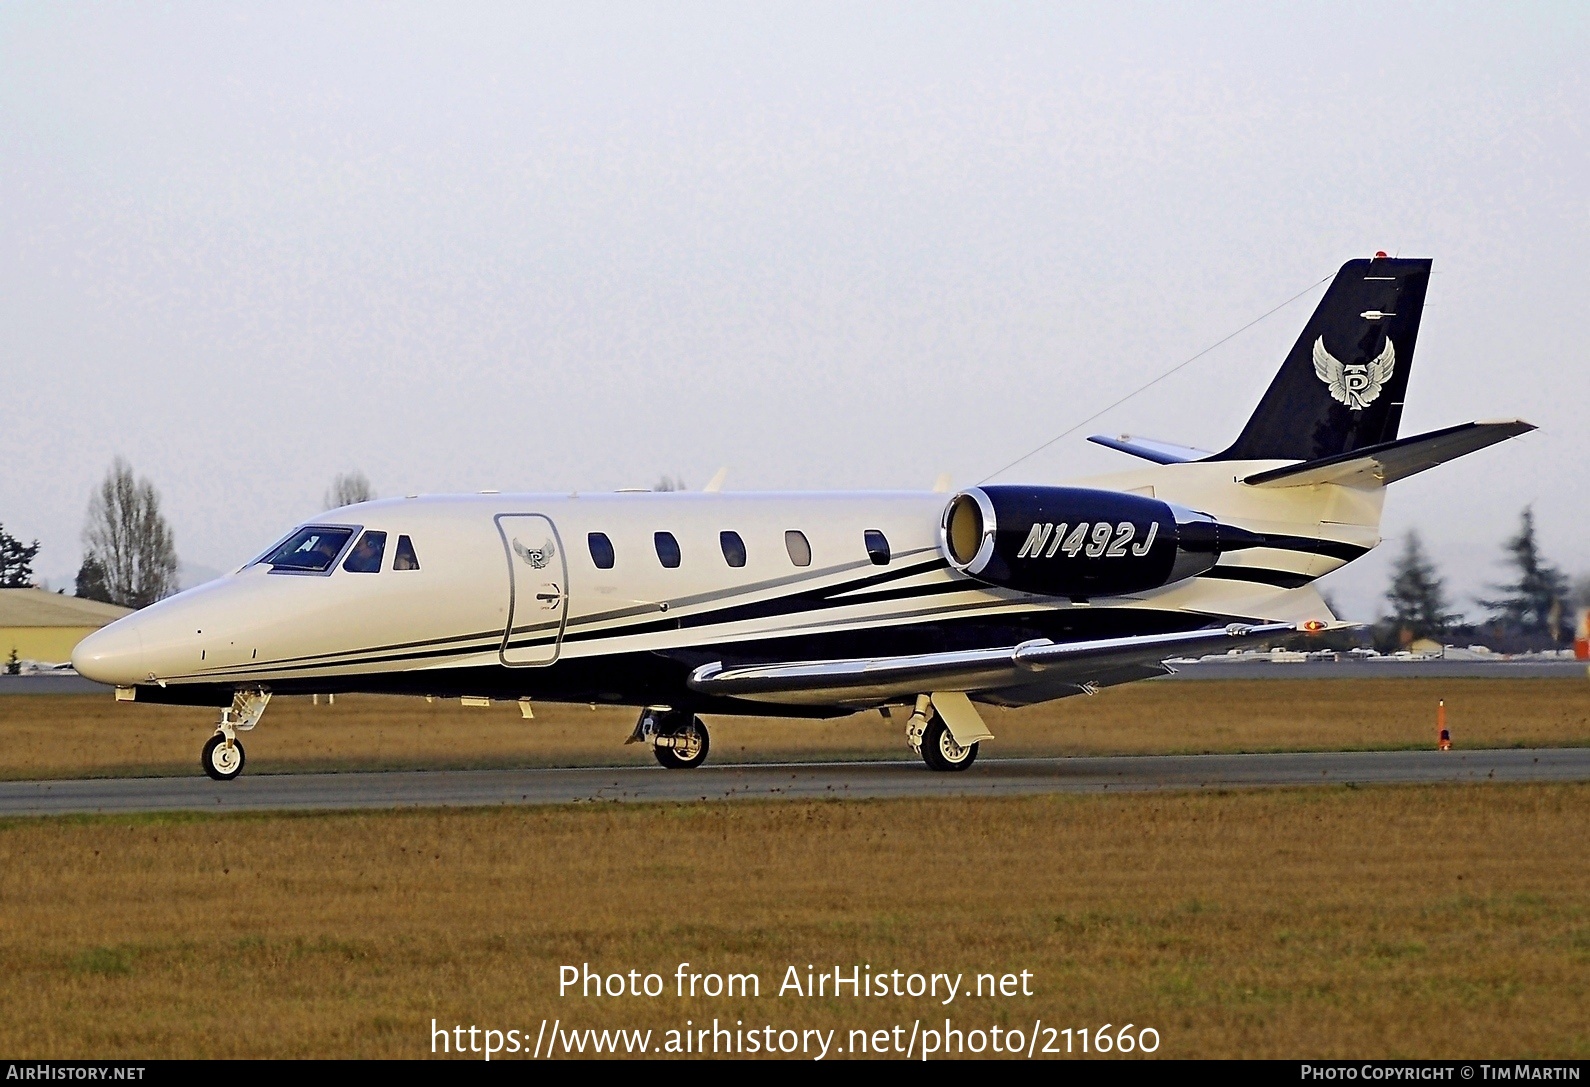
1357, 385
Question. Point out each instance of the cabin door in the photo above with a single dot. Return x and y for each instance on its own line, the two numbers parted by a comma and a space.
538, 589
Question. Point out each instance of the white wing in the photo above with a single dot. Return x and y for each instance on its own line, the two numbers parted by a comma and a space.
1063, 669
1380, 368
1329, 370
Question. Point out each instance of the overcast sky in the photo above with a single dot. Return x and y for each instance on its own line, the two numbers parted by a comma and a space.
851, 246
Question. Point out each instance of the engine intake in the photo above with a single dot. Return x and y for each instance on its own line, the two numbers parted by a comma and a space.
1080, 542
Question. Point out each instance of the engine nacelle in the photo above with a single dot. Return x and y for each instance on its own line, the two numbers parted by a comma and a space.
1078, 542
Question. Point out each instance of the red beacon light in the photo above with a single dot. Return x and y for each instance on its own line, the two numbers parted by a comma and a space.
1314, 626
1380, 254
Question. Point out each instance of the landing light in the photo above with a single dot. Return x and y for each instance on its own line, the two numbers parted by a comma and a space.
1313, 626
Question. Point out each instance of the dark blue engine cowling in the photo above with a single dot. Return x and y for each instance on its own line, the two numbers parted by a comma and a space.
1079, 542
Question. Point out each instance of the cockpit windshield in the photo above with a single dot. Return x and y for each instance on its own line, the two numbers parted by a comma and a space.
311, 550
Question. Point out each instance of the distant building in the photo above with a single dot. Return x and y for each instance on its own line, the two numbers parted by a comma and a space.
45, 627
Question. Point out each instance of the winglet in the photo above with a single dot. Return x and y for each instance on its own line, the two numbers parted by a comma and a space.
715, 484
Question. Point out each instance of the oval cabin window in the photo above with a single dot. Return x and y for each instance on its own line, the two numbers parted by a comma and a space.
800, 552
877, 547
667, 549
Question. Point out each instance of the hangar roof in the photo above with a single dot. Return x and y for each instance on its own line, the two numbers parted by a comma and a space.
37, 608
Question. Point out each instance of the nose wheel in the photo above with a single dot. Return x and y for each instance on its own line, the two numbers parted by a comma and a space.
222, 757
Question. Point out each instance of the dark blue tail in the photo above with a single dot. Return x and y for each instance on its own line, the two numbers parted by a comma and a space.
1341, 386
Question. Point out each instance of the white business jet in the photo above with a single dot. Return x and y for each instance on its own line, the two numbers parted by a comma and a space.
819, 605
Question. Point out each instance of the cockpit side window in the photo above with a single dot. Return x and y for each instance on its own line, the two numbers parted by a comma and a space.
405, 559
313, 549
365, 558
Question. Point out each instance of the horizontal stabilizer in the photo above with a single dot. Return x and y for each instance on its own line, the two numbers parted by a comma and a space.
1391, 461
878, 679
1149, 449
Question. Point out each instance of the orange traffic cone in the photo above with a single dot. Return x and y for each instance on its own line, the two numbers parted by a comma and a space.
1443, 738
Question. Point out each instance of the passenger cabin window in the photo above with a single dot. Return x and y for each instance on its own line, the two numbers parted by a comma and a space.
405, 559
733, 548
800, 552
877, 547
311, 550
601, 550
667, 549
365, 558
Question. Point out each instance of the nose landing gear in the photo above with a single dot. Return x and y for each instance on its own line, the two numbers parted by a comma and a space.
678, 738
222, 756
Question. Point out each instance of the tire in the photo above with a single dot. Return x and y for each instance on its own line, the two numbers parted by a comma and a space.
218, 762
941, 752
674, 758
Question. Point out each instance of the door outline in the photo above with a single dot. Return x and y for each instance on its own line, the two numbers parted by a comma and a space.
514, 585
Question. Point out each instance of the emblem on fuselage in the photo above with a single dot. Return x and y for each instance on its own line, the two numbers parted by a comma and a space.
537, 557
1357, 385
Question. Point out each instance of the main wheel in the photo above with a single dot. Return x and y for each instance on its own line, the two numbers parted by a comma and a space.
693, 750
941, 752
220, 761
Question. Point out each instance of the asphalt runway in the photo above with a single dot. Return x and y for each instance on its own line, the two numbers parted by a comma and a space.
788, 781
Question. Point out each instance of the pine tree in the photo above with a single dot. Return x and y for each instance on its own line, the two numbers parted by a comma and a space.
1536, 602
1418, 595
16, 561
91, 582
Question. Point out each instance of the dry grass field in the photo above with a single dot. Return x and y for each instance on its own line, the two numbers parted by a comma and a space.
83, 736
1407, 921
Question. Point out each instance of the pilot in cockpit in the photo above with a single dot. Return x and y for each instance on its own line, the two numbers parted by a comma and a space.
365, 558
326, 547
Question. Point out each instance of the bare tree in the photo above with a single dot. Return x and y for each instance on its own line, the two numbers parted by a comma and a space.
128, 539
670, 483
348, 489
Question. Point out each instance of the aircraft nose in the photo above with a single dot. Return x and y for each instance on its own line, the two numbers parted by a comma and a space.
113, 655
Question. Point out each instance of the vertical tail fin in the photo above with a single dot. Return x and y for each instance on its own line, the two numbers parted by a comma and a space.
1341, 386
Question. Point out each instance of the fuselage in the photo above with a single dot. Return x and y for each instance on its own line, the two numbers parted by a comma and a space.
615, 598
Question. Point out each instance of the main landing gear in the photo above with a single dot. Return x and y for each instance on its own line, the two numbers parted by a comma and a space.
222, 757
929, 737
678, 738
